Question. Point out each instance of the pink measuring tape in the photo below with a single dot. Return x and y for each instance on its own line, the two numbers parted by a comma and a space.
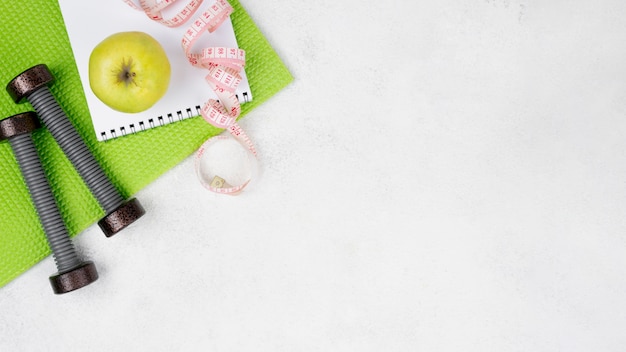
224, 66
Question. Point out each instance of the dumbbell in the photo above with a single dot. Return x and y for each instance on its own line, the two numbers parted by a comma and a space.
72, 272
31, 85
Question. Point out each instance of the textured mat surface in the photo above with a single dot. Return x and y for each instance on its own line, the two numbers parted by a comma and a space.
132, 162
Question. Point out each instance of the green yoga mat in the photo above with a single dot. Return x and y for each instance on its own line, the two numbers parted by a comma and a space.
32, 32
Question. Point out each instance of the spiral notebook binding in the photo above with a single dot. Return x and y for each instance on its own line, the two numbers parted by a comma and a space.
142, 125
161, 120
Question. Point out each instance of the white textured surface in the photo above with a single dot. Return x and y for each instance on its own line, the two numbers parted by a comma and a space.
441, 176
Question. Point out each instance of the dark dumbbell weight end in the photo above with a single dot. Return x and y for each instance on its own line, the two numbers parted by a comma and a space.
121, 217
29, 81
74, 279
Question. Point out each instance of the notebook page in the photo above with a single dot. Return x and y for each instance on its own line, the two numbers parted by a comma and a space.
88, 23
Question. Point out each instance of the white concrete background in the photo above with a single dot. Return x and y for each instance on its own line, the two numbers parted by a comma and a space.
441, 176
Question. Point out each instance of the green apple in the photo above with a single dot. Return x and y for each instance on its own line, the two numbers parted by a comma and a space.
129, 71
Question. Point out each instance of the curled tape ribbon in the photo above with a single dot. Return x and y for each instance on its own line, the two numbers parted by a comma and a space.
223, 66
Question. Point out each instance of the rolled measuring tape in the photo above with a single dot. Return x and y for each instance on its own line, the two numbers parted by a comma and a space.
224, 66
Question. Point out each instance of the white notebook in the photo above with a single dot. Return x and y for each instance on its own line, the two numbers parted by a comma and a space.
88, 23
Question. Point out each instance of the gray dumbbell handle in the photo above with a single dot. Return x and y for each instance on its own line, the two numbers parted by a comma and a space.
62, 248
55, 119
